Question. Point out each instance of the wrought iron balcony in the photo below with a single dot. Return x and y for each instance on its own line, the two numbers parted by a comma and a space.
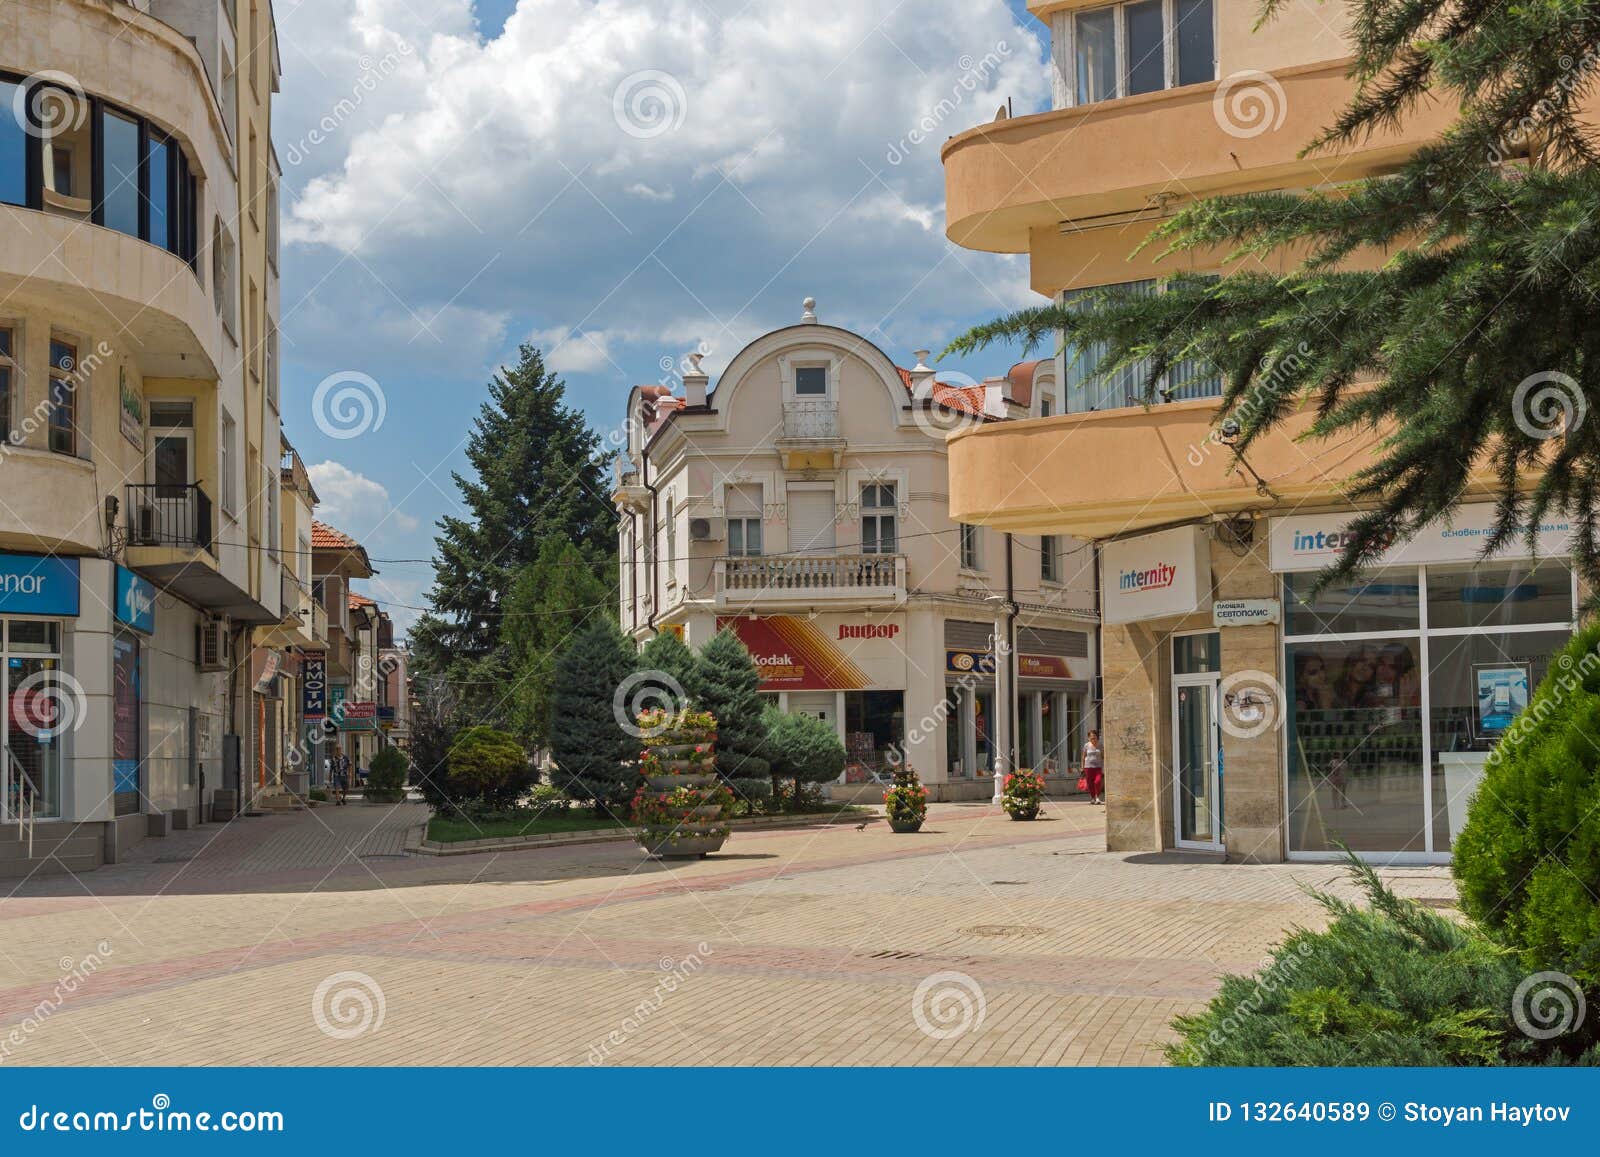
811, 421
170, 515
812, 578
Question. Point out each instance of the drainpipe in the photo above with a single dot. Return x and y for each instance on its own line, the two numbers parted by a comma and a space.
1097, 692
1011, 647
650, 555
633, 571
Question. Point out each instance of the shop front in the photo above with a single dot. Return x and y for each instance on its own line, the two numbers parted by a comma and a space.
1249, 714
39, 598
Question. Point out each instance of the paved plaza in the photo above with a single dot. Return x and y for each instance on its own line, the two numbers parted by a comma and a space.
313, 938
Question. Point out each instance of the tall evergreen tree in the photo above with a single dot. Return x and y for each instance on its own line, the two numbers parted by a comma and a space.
1471, 345
672, 657
726, 682
550, 600
538, 472
592, 753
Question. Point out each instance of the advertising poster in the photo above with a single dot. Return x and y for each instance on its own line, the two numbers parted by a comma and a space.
1502, 693
125, 729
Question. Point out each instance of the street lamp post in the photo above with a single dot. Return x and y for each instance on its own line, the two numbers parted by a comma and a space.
1003, 694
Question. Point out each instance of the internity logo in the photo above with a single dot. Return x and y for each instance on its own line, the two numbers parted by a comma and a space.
1154, 578
1319, 541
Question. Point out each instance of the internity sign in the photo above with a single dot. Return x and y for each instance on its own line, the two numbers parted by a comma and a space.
1156, 576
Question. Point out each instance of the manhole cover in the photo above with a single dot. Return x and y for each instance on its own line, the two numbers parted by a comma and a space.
1005, 930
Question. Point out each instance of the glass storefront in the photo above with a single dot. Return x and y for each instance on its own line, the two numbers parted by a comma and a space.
875, 728
40, 712
1398, 685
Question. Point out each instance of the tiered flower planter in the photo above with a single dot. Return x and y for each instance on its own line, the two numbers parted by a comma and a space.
681, 806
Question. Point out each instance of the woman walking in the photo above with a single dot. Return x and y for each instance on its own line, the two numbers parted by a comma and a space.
1094, 768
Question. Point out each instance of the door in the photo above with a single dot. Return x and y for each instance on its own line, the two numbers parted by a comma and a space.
1196, 761
172, 472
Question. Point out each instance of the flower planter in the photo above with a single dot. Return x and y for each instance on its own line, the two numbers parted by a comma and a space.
681, 806
1031, 813
905, 827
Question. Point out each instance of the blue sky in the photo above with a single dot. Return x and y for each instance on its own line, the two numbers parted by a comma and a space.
619, 182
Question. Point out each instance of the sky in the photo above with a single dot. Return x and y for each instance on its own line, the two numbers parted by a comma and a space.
619, 182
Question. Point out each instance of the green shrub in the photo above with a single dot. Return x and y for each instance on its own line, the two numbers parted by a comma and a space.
386, 778
804, 749
592, 753
1389, 984
1528, 858
489, 765
726, 683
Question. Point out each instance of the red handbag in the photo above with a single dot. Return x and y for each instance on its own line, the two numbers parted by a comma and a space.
1083, 782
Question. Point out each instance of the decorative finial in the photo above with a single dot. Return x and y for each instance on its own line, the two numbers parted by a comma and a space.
922, 360
810, 314
694, 362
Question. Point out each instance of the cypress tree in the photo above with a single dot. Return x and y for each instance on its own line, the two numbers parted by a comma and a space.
592, 753
726, 683
1470, 341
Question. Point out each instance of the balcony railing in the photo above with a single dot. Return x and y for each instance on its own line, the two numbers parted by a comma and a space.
812, 577
166, 514
811, 420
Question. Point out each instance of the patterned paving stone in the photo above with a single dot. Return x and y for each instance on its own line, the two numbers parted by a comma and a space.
310, 939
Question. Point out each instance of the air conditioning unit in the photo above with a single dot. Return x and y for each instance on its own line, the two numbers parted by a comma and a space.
147, 528
706, 529
213, 654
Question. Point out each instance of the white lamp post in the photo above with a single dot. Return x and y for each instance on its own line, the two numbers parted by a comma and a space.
1003, 694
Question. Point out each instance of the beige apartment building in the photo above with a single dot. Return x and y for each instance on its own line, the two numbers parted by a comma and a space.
803, 502
1244, 715
138, 536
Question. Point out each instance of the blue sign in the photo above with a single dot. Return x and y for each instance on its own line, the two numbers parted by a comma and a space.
135, 601
314, 685
33, 584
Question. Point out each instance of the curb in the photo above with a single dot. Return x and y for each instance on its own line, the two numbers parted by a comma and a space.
416, 841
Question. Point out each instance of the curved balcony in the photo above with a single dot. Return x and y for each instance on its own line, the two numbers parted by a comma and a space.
121, 284
1114, 157
1100, 474
51, 503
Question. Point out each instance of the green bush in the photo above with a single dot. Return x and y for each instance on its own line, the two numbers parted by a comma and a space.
386, 778
1389, 984
1528, 858
802, 748
726, 683
489, 765
592, 753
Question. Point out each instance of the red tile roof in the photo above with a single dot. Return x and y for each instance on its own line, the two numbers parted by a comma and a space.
358, 601
966, 399
325, 537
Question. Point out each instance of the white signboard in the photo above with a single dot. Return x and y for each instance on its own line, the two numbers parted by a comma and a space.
1312, 541
1244, 612
1156, 576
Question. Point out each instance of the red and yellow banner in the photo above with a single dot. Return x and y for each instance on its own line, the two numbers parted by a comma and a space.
794, 655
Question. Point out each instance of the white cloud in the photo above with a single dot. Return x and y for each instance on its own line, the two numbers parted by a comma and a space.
567, 353
356, 504
640, 189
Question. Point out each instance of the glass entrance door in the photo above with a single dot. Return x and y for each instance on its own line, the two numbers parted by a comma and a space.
1196, 782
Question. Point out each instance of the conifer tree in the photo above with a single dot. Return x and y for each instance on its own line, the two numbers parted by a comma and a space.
538, 472
726, 683
593, 755
1470, 339
671, 657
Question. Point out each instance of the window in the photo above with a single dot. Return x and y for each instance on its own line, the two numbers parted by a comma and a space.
119, 198
229, 496
272, 224
1141, 47
158, 198
302, 562
969, 547
13, 150
811, 382
252, 332
274, 530
30, 669
223, 290
1088, 391
878, 514
1047, 405
1049, 560
8, 367
743, 506
272, 363
63, 397
672, 543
